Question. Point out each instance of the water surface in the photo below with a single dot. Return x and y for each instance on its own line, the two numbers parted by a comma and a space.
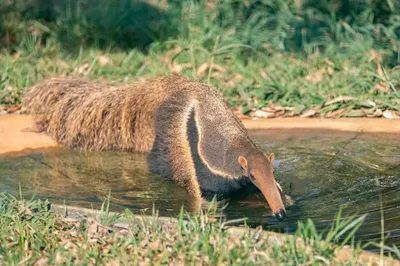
322, 171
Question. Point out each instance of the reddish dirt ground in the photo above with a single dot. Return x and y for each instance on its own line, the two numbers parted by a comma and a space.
12, 139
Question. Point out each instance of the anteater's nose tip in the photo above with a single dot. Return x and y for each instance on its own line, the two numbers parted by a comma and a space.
280, 215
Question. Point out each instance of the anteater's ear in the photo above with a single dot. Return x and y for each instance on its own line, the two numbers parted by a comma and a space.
271, 157
243, 163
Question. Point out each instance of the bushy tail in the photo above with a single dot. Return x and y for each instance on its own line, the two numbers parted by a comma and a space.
78, 112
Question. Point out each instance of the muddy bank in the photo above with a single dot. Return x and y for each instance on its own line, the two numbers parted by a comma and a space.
12, 139
366, 125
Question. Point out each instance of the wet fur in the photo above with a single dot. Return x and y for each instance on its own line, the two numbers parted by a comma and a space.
192, 135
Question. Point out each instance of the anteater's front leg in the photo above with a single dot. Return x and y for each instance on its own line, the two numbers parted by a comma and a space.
171, 155
179, 170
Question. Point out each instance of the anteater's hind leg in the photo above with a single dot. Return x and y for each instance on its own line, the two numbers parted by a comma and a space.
33, 129
38, 126
171, 156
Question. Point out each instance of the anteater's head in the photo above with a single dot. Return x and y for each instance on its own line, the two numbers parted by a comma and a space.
258, 167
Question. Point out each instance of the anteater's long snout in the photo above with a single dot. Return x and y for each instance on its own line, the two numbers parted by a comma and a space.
273, 196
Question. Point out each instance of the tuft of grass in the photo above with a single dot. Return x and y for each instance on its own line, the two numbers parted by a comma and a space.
32, 233
107, 217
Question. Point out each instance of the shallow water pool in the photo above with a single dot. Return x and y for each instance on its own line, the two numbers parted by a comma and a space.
321, 171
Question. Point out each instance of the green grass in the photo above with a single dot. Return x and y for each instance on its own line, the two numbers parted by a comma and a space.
296, 54
30, 232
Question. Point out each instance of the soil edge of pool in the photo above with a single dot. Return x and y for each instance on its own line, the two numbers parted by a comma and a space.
13, 140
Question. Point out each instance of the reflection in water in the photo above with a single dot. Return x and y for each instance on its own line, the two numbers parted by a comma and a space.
320, 173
